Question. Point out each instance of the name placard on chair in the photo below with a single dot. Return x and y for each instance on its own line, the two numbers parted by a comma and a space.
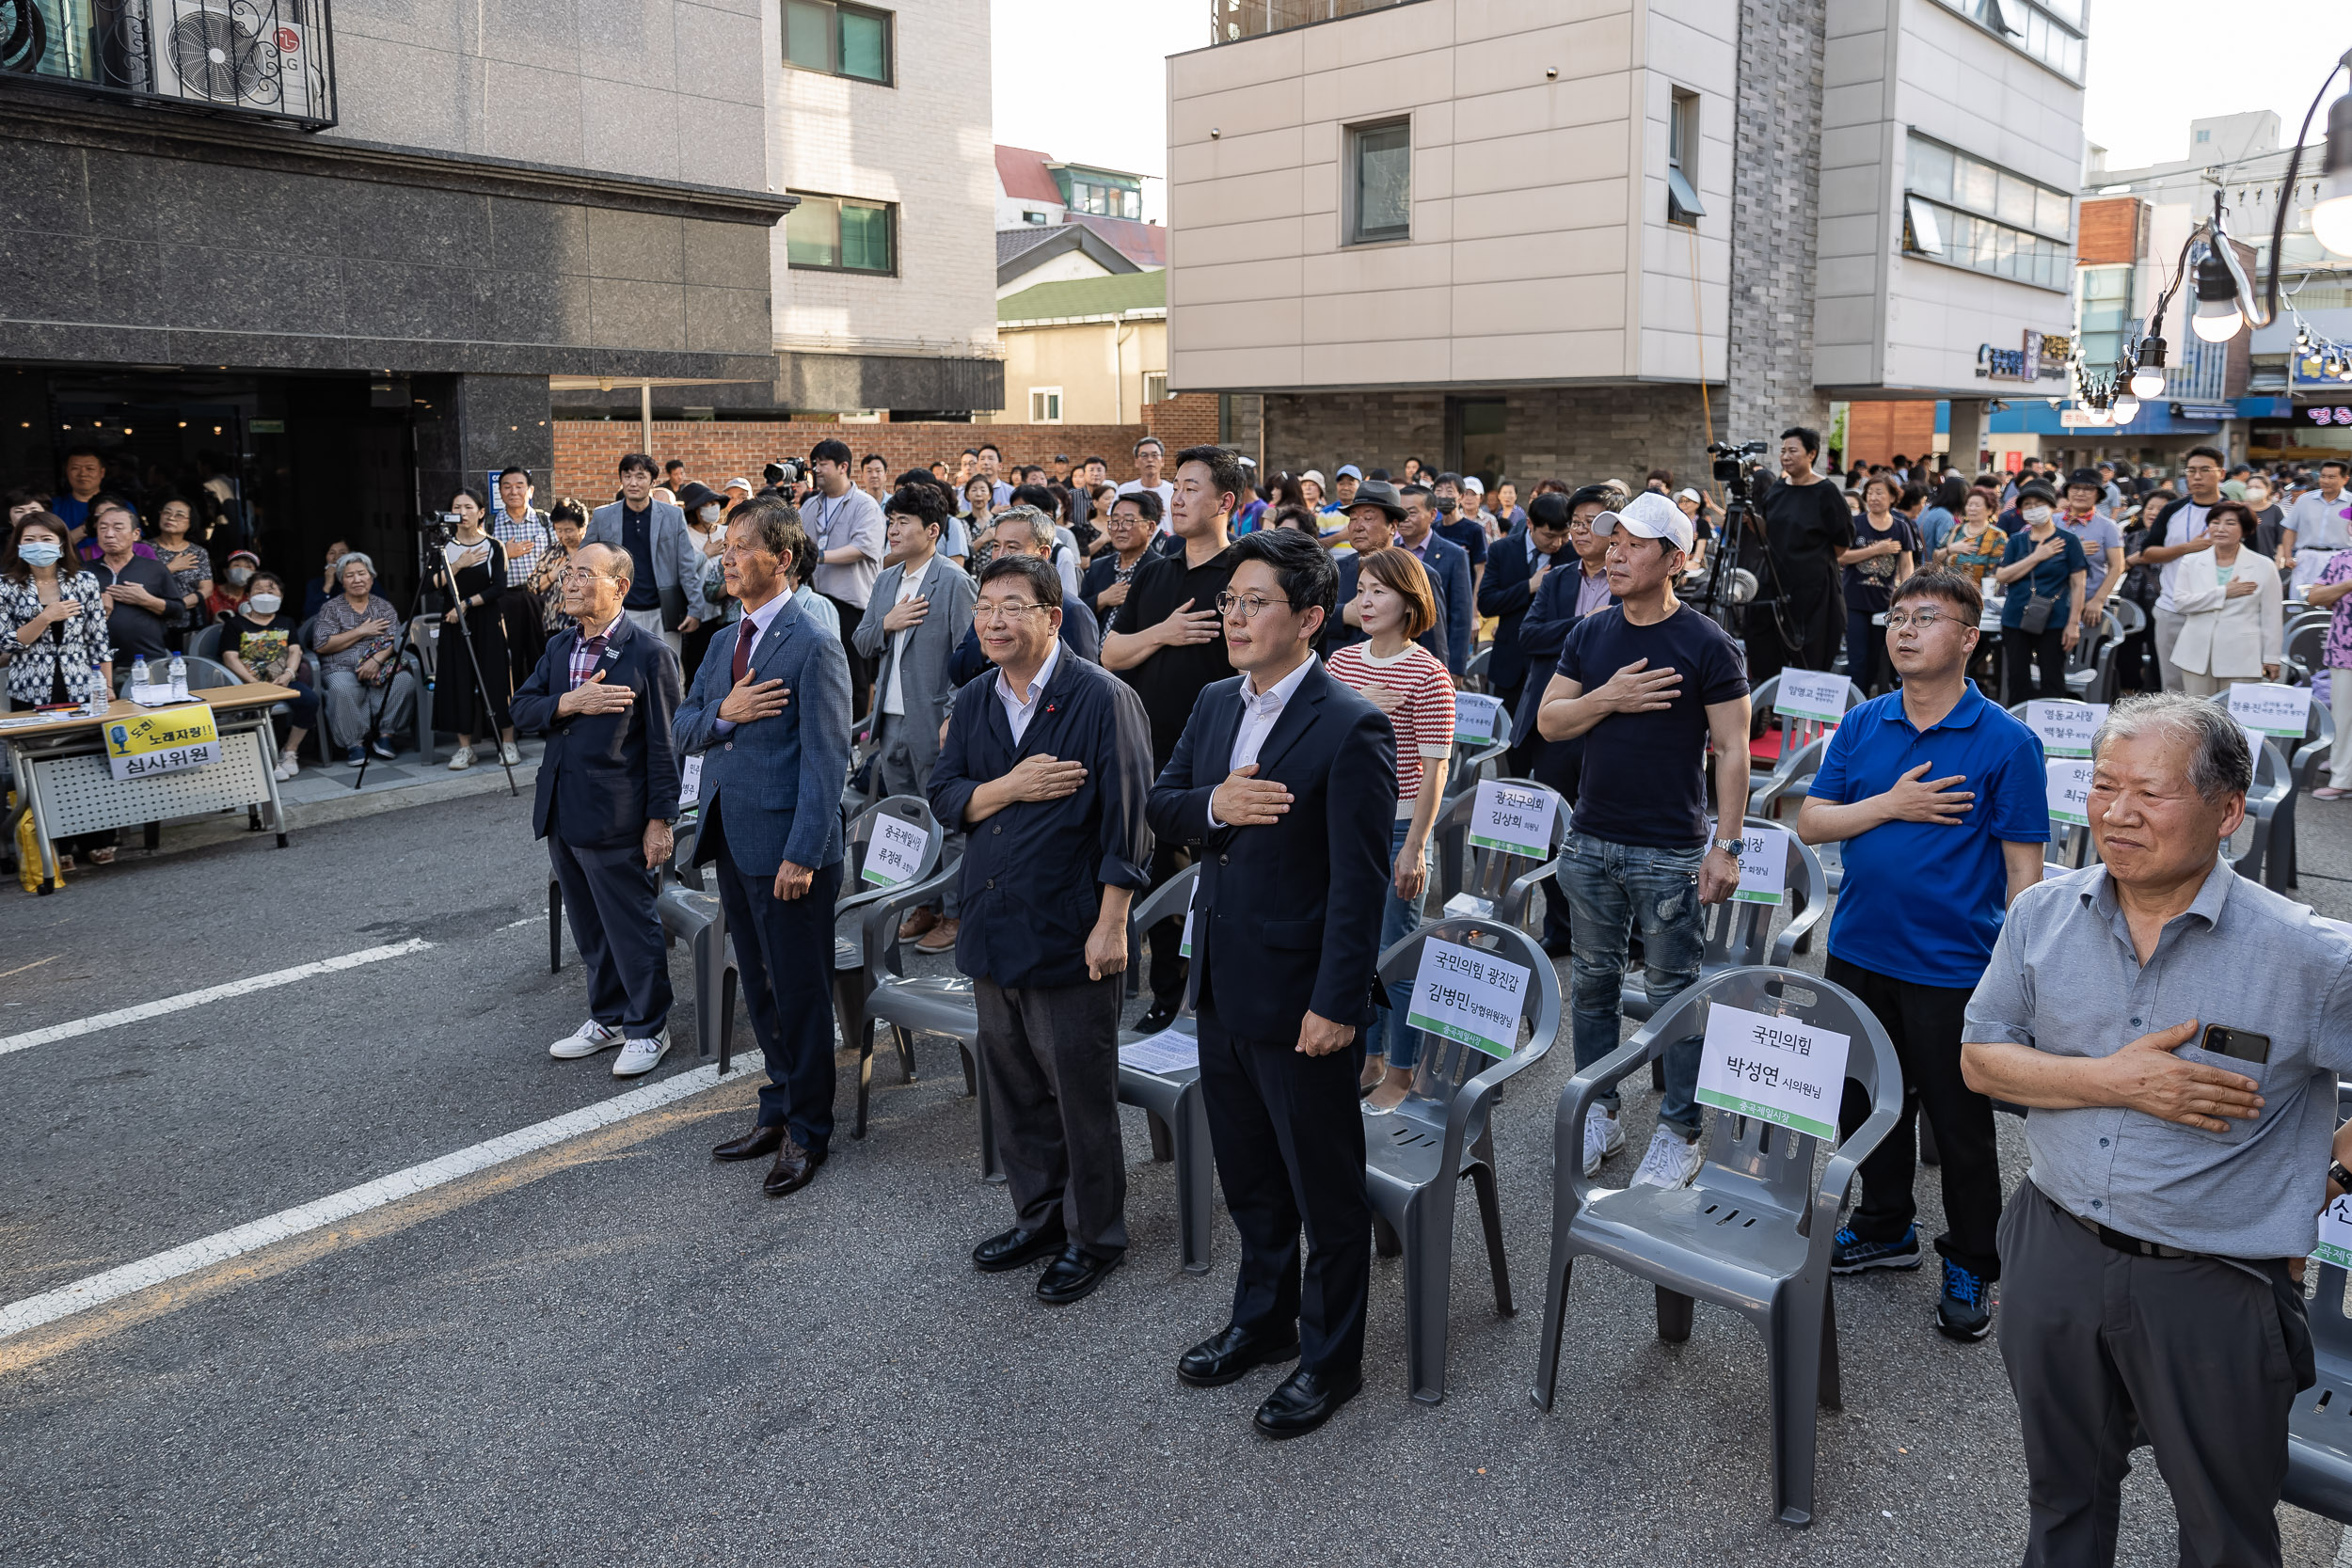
1777, 1070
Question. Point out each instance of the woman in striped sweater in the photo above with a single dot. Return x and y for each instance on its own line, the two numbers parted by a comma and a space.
1395, 604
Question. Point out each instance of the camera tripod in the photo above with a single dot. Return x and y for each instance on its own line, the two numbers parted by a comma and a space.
429, 546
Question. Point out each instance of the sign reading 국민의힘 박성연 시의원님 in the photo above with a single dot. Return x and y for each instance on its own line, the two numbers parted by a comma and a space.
1777, 1070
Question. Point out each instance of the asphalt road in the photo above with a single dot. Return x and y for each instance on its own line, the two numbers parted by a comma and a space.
614, 1351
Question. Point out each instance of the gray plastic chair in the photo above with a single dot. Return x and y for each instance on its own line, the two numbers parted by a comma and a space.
2070, 848
933, 1004
849, 982
204, 642
1803, 743
1474, 672
1173, 1101
1491, 884
1475, 760
2319, 1426
1739, 936
1416, 1156
1753, 1232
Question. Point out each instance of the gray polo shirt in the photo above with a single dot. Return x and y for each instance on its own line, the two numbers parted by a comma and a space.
2064, 978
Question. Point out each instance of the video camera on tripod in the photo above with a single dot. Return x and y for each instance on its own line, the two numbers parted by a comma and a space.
1736, 468
1730, 586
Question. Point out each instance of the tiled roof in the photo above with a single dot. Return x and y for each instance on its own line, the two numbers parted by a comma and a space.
1085, 296
1023, 173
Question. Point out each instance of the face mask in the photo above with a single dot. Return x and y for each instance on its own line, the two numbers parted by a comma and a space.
709, 515
40, 552
1445, 507
264, 604
2036, 515
240, 575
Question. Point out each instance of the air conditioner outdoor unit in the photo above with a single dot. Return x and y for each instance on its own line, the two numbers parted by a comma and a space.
235, 56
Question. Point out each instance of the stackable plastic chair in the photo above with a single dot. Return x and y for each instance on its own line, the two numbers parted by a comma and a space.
933, 1004
1416, 1156
1475, 760
1474, 672
1801, 743
2319, 1424
2070, 848
1753, 1232
849, 982
1173, 1101
1495, 884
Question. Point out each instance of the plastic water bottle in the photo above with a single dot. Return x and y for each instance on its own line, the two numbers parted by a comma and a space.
96, 706
178, 678
139, 673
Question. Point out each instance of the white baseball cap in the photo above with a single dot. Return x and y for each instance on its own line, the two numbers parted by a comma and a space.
743, 484
1649, 515
1686, 493
1471, 487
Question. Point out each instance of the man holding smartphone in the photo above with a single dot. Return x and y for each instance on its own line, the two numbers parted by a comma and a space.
2182, 1120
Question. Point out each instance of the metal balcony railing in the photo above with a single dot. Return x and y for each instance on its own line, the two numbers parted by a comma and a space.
267, 58
1233, 19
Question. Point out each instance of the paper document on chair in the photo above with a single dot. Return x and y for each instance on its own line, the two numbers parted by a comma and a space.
1763, 865
1170, 1051
2065, 728
690, 781
1810, 694
1474, 717
2335, 1233
895, 853
2280, 710
1470, 997
2069, 788
1514, 819
1777, 1070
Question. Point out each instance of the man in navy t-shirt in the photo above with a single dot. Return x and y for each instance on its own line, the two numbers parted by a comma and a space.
1647, 683
1940, 800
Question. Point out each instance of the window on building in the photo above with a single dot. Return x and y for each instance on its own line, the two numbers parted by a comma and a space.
1110, 201
1045, 406
841, 41
1380, 161
1682, 152
1155, 385
1964, 211
840, 233
2103, 312
1028, 217
2049, 30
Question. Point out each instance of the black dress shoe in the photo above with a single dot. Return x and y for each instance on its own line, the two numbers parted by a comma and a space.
757, 1144
1073, 1275
1230, 1352
1305, 1400
1015, 1247
794, 1169
1160, 1017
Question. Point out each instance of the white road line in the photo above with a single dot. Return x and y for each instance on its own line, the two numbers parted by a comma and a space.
210, 993
115, 1283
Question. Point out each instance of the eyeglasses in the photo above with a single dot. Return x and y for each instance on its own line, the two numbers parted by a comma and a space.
1897, 620
993, 613
582, 574
1249, 607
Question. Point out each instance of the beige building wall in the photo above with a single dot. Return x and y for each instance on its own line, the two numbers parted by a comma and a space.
1539, 251
1099, 366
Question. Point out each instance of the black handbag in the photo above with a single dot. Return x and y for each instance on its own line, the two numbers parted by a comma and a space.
2036, 616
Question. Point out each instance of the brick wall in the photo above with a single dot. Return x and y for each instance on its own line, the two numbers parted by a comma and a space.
588, 452
2110, 230
1578, 434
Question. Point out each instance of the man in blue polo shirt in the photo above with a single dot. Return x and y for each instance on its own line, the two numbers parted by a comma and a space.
1940, 799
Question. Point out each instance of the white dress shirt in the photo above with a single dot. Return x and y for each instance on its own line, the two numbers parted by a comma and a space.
755, 625
1021, 707
1259, 711
2192, 520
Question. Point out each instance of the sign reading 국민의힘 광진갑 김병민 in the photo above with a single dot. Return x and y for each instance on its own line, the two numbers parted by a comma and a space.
1810, 694
2069, 790
1777, 1070
164, 741
2065, 728
1514, 819
1467, 996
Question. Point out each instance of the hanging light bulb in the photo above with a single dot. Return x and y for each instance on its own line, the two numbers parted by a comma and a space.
2331, 215
2125, 408
2217, 319
2148, 376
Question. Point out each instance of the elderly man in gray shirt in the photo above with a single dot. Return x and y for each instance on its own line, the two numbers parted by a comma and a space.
2177, 1031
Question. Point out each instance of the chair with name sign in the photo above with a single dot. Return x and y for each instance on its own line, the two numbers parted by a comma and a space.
1473, 763
2090, 667
1486, 881
1803, 741
1753, 1232
918, 1003
2319, 1425
1416, 1156
1474, 672
1173, 1101
2070, 848
2306, 646
2268, 855
867, 878
1739, 932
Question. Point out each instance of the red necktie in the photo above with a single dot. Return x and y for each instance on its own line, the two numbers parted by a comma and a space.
743, 650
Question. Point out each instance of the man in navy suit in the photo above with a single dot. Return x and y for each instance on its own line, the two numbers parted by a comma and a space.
770, 713
1449, 569
1517, 568
605, 693
1285, 783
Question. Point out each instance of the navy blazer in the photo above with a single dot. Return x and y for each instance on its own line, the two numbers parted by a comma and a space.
1449, 569
765, 772
1081, 634
604, 775
1338, 634
1542, 634
1505, 595
1287, 918
1034, 873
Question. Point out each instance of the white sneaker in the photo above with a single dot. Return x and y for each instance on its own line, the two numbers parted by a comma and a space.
510, 755
287, 768
1603, 1136
586, 1040
639, 1056
1671, 1161
463, 760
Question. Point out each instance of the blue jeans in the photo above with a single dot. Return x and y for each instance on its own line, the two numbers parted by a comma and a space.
1612, 888
1389, 1037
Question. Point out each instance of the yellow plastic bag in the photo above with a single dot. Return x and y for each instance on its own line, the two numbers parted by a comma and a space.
28, 851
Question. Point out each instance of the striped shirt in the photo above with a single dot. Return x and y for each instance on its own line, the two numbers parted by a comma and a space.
589, 650
1424, 721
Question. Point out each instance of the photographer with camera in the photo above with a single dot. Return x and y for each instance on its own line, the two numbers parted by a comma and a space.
470, 673
850, 533
1798, 617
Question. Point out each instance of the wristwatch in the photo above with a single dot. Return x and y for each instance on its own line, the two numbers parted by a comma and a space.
2337, 1174
1730, 846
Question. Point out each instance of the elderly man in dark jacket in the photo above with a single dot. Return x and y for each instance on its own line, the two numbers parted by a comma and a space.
1046, 767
